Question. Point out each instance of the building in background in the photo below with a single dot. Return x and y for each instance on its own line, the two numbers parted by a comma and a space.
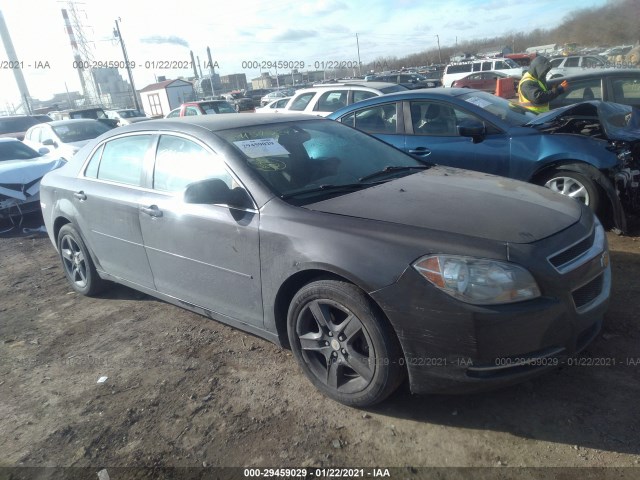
236, 81
160, 98
114, 91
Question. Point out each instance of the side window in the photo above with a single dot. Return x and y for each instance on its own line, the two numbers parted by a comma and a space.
191, 111
332, 101
625, 89
359, 95
555, 63
431, 118
572, 62
486, 66
92, 168
301, 102
180, 162
349, 119
34, 135
500, 65
582, 90
45, 134
174, 113
281, 103
378, 119
477, 66
123, 158
592, 62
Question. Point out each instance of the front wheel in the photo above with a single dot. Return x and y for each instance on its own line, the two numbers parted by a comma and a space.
343, 343
76, 261
574, 185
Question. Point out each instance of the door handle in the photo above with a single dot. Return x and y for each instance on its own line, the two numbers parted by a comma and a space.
422, 151
152, 211
80, 195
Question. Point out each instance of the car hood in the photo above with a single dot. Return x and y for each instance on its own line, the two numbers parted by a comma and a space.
462, 202
619, 122
20, 176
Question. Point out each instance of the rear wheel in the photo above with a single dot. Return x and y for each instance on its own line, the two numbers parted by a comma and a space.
76, 261
343, 343
574, 185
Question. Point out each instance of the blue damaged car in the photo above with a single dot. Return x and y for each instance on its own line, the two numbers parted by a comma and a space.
589, 151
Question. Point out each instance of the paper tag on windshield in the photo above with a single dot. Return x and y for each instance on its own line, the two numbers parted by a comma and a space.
261, 147
478, 101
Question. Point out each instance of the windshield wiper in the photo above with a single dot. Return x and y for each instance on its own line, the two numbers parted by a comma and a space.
329, 187
393, 168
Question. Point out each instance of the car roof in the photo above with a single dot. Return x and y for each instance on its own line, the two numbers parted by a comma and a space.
8, 139
71, 121
597, 73
216, 123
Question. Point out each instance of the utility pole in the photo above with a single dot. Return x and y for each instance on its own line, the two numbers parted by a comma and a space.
440, 53
118, 35
359, 62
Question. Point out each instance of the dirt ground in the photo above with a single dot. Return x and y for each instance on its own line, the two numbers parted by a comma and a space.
182, 390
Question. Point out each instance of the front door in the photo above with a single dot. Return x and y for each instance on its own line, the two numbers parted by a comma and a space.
206, 255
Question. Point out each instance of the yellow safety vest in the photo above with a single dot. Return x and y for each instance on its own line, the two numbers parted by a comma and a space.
527, 103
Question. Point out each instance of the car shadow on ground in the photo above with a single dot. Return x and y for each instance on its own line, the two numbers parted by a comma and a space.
590, 404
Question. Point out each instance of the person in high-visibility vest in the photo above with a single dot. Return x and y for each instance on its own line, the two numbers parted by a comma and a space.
533, 91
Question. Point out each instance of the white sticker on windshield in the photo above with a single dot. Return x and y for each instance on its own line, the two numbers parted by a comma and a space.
478, 101
261, 147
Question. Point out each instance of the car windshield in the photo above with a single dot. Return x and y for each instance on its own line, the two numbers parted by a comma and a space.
293, 157
217, 107
16, 151
393, 89
507, 111
77, 132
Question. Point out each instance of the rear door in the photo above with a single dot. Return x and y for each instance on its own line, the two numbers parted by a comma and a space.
107, 201
205, 255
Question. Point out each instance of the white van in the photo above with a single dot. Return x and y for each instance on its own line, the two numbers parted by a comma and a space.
458, 70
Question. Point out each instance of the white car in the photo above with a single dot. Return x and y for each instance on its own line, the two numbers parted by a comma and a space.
575, 65
274, 106
126, 116
271, 96
456, 71
326, 98
21, 169
64, 137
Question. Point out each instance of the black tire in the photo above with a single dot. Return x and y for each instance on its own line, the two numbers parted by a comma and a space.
77, 263
575, 185
350, 351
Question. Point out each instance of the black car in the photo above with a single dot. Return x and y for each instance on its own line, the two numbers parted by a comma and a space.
411, 81
16, 125
368, 263
611, 85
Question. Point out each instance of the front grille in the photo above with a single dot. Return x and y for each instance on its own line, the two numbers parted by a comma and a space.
573, 252
588, 293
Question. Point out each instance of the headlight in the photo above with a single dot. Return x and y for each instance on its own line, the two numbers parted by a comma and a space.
478, 281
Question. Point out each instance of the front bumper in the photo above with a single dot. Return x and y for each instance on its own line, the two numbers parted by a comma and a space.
453, 347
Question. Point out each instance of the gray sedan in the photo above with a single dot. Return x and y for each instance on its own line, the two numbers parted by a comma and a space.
369, 264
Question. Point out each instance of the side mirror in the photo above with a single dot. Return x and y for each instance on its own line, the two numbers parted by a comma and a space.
215, 191
43, 150
475, 130
50, 142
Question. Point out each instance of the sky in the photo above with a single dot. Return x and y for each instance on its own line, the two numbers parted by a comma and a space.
306, 31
